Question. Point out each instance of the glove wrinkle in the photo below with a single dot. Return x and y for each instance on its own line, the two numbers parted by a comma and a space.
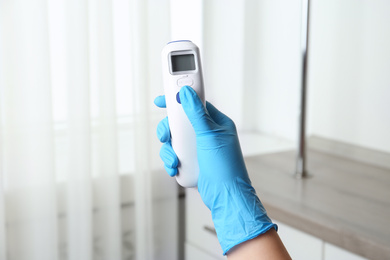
246, 219
163, 132
168, 155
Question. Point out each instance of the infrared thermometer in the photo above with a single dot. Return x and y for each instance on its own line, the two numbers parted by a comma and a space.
182, 67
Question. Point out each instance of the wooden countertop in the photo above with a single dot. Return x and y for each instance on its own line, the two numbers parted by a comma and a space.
344, 202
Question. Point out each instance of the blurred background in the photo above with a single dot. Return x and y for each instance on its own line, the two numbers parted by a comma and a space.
80, 174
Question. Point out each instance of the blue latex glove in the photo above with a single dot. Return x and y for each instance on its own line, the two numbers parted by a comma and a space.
223, 182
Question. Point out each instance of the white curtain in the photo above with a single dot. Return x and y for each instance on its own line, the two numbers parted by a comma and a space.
80, 176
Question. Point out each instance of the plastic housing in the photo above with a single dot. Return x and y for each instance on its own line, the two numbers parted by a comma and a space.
182, 133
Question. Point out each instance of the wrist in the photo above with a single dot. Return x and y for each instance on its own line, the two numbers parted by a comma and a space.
238, 214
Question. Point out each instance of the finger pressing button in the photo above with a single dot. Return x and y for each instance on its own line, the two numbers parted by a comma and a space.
178, 98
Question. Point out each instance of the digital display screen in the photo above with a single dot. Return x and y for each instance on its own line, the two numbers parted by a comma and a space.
183, 62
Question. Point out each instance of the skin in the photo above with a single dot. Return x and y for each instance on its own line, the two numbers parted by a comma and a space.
267, 246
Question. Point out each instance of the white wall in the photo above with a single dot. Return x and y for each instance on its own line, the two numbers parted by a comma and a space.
186, 21
349, 70
223, 59
273, 35
349, 83
252, 66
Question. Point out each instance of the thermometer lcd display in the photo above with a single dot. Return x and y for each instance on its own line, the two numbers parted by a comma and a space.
183, 62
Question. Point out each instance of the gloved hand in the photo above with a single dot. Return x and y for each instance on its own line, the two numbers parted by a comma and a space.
223, 182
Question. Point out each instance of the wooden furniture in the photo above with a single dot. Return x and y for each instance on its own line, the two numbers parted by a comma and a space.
344, 202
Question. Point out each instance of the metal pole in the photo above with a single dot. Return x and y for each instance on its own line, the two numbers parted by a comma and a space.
300, 171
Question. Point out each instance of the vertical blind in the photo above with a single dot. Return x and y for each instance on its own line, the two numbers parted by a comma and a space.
79, 168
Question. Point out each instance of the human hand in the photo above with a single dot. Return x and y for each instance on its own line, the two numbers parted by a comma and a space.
223, 181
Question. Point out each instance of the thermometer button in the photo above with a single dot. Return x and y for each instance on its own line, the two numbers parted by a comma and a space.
186, 81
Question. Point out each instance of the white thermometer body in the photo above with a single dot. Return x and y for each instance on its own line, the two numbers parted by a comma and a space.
182, 67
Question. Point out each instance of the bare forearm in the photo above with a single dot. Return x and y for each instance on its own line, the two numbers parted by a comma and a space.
266, 246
